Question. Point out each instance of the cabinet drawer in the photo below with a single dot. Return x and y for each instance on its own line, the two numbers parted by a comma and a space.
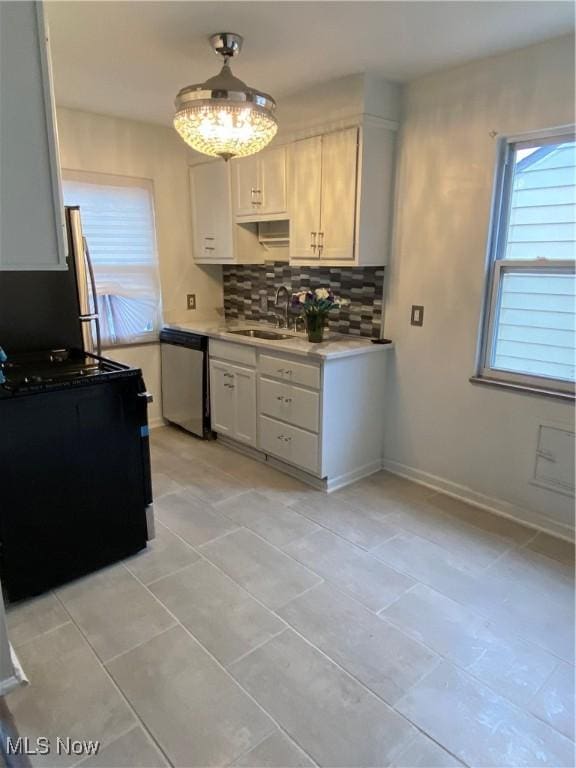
289, 444
288, 370
236, 353
289, 403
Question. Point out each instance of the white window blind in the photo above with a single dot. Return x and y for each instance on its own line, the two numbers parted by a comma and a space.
118, 223
530, 330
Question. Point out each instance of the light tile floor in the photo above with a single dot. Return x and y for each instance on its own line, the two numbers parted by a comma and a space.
271, 625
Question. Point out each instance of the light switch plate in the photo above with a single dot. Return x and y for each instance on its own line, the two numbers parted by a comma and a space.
191, 300
417, 315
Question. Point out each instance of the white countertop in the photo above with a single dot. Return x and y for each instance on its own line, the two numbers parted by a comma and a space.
334, 345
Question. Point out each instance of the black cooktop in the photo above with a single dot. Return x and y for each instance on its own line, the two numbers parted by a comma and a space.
56, 368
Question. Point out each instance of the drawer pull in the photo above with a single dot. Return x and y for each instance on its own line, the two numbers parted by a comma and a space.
287, 399
228, 375
280, 398
283, 399
280, 437
280, 370
287, 439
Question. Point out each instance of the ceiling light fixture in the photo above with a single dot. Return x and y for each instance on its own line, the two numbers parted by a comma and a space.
224, 117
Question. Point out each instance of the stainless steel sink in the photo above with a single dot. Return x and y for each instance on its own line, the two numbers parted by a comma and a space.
257, 333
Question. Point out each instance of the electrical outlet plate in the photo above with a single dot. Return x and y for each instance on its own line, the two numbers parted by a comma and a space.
191, 300
417, 315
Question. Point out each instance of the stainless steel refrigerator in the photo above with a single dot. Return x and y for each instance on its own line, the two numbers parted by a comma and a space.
52, 309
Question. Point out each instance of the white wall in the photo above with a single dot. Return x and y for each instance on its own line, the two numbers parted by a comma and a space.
97, 143
470, 439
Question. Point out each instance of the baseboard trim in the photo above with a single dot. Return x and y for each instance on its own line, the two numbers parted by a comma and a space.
342, 481
157, 422
496, 506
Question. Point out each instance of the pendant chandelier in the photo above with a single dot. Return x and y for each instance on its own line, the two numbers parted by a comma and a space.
224, 117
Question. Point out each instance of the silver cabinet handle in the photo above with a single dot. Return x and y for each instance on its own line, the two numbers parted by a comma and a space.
288, 372
287, 399
287, 439
313, 239
280, 398
254, 191
228, 375
280, 437
320, 243
280, 370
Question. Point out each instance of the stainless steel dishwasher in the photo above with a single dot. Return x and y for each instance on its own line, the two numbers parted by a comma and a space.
185, 395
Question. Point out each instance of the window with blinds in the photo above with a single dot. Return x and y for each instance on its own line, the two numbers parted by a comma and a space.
118, 224
530, 327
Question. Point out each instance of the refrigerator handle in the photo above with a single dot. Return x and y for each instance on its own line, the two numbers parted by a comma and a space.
96, 316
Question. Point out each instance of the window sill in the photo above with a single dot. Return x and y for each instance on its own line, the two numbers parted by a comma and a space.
128, 344
526, 389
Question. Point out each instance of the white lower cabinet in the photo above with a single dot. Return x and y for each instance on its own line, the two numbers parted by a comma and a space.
286, 402
233, 401
323, 419
296, 446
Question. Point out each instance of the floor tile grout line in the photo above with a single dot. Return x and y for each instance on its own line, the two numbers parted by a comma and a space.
480, 615
427, 496
376, 613
257, 646
289, 627
513, 546
40, 634
345, 671
444, 658
225, 669
274, 546
385, 607
115, 685
138, 645
117, 738
172, 573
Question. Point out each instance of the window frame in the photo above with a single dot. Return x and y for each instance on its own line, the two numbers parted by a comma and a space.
497, 266
99, 178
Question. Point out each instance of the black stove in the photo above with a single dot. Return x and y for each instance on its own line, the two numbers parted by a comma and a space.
76, 488
41, 371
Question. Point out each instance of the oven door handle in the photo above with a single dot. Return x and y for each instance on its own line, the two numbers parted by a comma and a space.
148, 396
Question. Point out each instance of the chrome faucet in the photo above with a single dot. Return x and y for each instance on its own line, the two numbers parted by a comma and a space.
282, 320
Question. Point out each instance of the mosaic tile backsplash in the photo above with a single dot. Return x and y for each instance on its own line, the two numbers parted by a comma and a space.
245, 285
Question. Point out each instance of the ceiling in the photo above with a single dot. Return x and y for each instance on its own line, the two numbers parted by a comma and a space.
129, 59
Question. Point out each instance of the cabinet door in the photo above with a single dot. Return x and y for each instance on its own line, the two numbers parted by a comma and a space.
222, 398
305, 182
338, 211
211, 212
244, 388
247, 187
273, 181
32, 227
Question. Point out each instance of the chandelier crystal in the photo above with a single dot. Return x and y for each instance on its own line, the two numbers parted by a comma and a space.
224, 117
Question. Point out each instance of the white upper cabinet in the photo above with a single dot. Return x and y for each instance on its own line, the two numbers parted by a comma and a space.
341, 186
32, 226
211, 212
246, 186
338, 196
259, 186
305, 188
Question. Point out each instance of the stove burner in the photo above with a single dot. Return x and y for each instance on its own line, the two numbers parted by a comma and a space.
38, 371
